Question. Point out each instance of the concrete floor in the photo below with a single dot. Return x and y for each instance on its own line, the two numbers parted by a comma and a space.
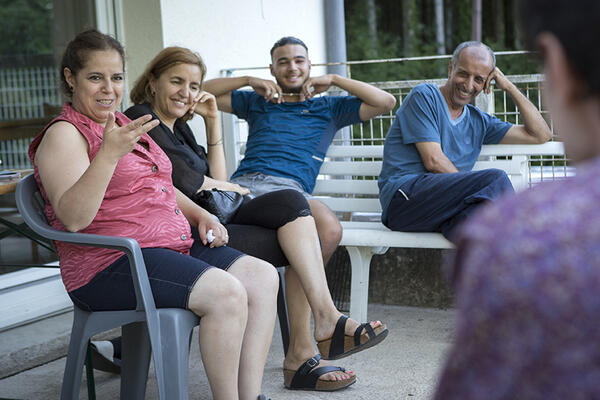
404, 366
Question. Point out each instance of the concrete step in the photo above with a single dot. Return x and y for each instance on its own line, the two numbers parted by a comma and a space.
31, 294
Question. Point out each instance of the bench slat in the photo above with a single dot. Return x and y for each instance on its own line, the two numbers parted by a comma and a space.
385, 237
548, 148
376, 151
373, 168
345, 186
356, 168
351, 205
355, 151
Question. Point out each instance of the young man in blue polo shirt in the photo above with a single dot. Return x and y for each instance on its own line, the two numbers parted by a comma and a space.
290, 129
289, 132
426, 183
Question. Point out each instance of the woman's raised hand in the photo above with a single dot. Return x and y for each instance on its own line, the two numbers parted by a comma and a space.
120, 140
204, 104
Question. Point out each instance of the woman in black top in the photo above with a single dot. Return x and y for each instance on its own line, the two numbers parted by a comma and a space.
170, 89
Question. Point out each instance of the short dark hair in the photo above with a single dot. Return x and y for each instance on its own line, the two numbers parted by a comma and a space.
472, 43
287, 40
76, 53
576, 24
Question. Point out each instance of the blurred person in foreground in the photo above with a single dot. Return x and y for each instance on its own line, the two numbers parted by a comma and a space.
527, 270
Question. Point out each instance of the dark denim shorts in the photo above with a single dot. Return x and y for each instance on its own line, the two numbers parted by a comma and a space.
172, 276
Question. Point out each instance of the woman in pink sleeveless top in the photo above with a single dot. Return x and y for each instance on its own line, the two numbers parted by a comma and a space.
101, 173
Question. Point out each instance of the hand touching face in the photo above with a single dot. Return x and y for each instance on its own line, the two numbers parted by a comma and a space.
175, 91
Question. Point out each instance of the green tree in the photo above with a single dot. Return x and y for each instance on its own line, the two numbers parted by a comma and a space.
408, 28
25, 27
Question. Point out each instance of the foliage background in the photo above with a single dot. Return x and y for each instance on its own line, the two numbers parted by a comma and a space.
377, 29
25, 28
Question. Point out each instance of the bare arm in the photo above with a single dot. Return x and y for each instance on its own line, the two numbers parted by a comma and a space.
534, 129
374, 101
210, 183
205, 105
76, 188
222, 88
199, 217
434, 158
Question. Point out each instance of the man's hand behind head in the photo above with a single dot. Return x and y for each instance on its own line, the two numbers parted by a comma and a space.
500, 80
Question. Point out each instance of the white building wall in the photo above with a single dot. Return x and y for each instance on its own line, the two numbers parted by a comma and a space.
240, 33
226, 33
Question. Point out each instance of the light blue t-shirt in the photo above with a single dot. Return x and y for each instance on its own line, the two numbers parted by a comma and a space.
424, 117
291, 139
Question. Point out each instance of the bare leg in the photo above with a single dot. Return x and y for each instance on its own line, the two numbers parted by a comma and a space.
328, 228
260, 280
302, 346
299, 241
220, 300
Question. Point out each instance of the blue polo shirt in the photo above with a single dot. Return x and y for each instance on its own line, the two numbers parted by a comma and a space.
424, 117
291, 139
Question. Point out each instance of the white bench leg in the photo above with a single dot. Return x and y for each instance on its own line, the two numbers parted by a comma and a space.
360, 260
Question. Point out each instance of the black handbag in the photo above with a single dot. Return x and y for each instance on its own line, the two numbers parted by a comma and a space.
221, 203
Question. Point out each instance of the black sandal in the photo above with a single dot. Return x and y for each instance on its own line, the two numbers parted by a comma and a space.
340, 345
307, 377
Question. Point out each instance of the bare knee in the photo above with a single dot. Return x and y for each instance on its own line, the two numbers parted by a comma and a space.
260, 279
218, 292
328, 225
330, 232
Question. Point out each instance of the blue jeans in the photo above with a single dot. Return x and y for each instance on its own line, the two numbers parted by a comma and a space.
441, 202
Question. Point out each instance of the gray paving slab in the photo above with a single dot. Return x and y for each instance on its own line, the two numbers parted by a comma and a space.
404, 366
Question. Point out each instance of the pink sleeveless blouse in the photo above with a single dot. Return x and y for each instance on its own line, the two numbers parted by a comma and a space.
139, 203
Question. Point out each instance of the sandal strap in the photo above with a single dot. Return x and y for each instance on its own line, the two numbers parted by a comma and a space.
302, 376
339, 334
307, 376
358, 332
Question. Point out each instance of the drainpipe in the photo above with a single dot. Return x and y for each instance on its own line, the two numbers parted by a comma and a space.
335, 32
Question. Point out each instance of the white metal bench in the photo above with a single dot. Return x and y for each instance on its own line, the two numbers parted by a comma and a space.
348, 185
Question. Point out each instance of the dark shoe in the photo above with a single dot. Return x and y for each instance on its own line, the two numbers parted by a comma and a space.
341, 345
307, 377
262, 397
103, 357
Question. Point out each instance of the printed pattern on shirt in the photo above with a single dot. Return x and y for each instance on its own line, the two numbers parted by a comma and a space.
139, 203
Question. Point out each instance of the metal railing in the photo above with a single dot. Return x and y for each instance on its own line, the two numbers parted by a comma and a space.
25, 94
24, 91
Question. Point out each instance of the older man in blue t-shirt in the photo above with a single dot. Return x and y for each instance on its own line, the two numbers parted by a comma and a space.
426, 183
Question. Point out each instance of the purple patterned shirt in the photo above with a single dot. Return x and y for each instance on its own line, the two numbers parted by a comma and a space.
527, 274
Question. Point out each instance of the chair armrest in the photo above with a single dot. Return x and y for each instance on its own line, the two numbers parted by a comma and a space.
92, 240
34, 218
